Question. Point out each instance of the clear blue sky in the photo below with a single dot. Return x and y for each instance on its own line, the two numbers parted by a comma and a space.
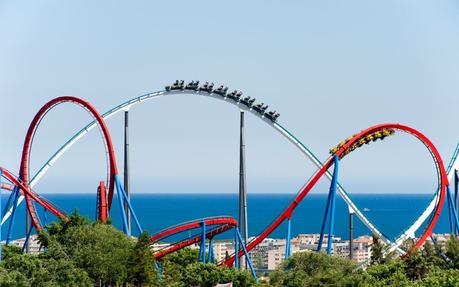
331, 68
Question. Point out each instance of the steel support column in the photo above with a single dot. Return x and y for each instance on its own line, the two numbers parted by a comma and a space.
123, 199
351, 233
454, 220
210, 253
456, 203
1, 216
28, 230
13, 215
247, 256
287, 242
236, 248
202, 249
330, 210
243, 226
127, 182
332, 206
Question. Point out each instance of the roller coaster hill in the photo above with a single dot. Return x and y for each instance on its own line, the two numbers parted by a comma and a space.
203, 230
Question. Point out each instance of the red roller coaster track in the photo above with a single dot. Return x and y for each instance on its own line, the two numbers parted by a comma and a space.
24, 169
32, 195
220, 224
287, 213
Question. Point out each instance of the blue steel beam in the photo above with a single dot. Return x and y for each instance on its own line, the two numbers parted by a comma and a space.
1, 216
249, 262
202, 249
324, 222
332, 206
13, 215
287, 245
236, 248
452, 210
122, 199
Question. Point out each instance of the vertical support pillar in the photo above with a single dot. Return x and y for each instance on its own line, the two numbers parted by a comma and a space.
351, 233
202, 249
287, 242
456, 203
13, 215
243, 226
332, 205
324, 222
45, 219
330, 210
28, 230
236, 248
121, 201
450, 212
127, 182
210, 253
453, 214
26, 246
1, 215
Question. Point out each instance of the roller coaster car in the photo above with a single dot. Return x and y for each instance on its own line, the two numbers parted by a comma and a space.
333, 150
207, 87
259, 107
232, 95
248, 101
377, 135
341, 143
276, 116
178, 85
271, 115
221, 91
354, 146
361, 142
386, 132
264, 108
369, 138
192, 86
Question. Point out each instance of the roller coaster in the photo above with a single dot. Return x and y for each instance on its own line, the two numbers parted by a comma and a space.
21, 187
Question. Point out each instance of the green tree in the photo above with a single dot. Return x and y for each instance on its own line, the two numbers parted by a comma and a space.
182, 270
142, 270
377, 251
440, 278
99, 249
39, 271
417, 265
312, 269
452, 251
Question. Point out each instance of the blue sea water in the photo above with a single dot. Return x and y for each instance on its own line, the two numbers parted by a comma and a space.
391, 213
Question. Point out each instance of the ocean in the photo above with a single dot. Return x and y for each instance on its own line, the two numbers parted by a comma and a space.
391, 213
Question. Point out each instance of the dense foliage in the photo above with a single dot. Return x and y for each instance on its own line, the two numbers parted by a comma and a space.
180, 269
80, 253
432, 266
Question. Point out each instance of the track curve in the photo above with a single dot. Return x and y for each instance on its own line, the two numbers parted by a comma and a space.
218, 224
341, 152
25, 160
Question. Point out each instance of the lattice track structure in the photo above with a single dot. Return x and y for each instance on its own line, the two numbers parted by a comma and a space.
248, 104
